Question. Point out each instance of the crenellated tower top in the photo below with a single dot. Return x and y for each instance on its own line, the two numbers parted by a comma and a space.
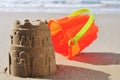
27, 33
34, 25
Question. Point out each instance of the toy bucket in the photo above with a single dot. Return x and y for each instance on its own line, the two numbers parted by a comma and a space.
71, 34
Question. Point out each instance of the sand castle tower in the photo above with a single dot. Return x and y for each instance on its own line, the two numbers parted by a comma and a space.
31, 53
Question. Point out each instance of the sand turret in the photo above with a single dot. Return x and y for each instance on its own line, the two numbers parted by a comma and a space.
31, 52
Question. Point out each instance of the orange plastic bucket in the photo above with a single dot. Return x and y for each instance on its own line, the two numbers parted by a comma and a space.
71, 34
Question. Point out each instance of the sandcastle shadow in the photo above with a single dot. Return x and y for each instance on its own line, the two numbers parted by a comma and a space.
76, 73
65, 72
97, 58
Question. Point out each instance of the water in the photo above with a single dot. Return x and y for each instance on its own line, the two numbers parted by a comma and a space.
59, 6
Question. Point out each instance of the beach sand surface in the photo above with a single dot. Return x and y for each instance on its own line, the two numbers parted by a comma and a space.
99, 61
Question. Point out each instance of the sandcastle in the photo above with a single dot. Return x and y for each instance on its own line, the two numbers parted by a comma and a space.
31, 53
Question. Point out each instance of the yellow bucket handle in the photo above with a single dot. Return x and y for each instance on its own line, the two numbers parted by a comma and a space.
86, 26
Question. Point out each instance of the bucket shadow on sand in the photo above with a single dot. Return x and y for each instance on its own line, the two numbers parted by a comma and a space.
65, 72
97, 58
76, 73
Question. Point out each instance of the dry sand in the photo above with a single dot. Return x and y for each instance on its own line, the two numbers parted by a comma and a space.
99, 61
